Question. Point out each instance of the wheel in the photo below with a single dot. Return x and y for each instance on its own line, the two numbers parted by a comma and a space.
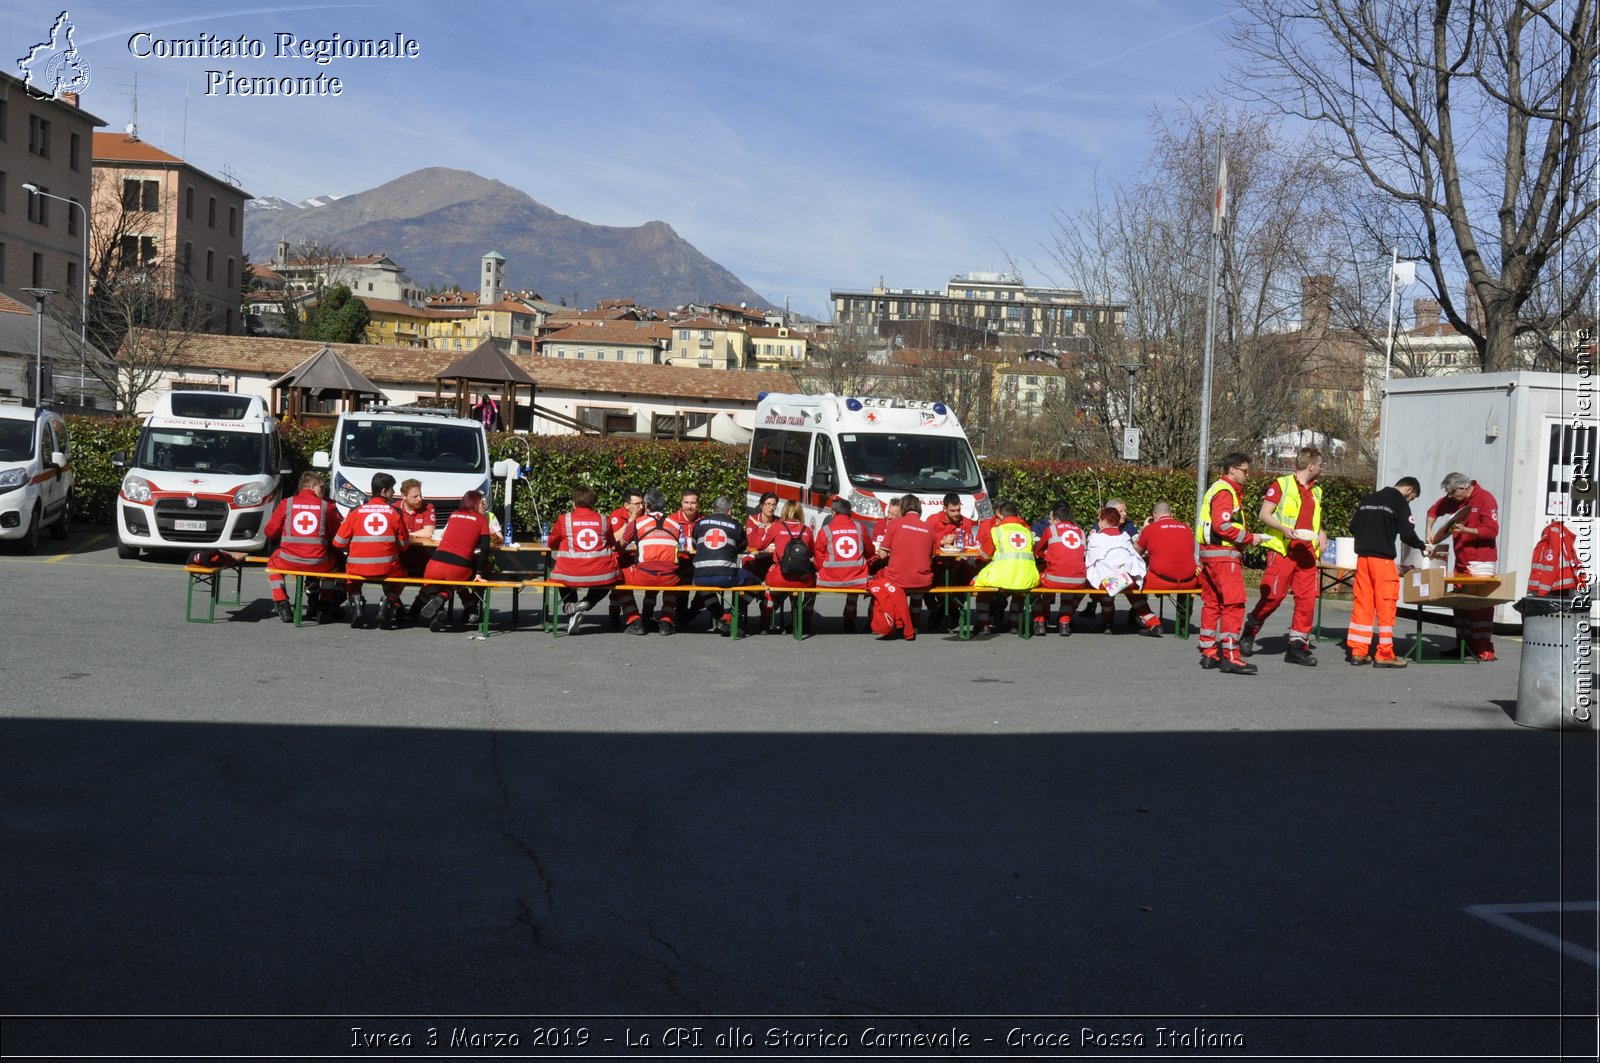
63, 525
30, 542
127, 553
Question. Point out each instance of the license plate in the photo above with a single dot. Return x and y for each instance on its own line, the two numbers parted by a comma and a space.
188, 525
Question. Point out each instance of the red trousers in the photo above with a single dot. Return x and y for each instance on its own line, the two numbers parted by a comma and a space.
1474, 626
1222, 598
1377, 590
1297, 573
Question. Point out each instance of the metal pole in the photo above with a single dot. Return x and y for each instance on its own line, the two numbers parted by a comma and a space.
1204, 457
1388, 358
39, 296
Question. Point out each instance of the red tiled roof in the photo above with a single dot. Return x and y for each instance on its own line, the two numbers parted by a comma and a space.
608, 333
397, 308
9, 305
120, 147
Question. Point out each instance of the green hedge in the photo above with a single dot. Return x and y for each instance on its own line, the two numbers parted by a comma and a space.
555, 463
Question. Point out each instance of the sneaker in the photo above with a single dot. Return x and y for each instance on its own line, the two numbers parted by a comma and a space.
635, 626
1064, 627
432, 607
722, 627
1153, 631
1235, 665
439, 621
574, 618
1039, 626
1357, 659
569, 608
1208, 661
285, 612
1486, 656
985, 629
386, 610
1390, 662
1247, 646
1300, 654
358, 609
665, 626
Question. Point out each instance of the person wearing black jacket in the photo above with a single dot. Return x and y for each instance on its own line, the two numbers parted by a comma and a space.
718, 541
1379, 517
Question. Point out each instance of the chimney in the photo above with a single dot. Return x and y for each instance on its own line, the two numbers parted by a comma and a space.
282, 258
1316, 303
1427, 312
69, 98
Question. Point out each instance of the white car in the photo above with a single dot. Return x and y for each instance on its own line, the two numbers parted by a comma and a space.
35, 475
448, 454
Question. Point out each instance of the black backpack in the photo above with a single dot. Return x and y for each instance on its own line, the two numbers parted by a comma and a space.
796, 561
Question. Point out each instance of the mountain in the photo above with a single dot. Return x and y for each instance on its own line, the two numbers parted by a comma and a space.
438, 223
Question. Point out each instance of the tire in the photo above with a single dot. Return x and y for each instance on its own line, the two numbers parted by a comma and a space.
63, 525
30, 542
126, 552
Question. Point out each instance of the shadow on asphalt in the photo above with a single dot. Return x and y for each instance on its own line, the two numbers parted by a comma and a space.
183, 868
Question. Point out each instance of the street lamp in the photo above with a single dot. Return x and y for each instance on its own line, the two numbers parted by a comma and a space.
39, 296
1127, 443
83, 295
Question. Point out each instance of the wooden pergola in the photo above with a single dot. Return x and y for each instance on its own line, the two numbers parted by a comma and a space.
486, 364
323, 377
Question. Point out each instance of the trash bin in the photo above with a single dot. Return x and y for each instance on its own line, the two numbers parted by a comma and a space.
1555, 686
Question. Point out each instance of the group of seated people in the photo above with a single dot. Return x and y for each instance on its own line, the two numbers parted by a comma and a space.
896, 562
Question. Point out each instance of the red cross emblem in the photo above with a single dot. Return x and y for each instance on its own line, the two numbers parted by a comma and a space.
375, 523
716, 538
304, 523
1072, 539
845, 547
1018, 541
587, 539
872, 417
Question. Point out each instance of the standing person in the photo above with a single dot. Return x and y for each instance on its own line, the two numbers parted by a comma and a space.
1114, 564
487, 411
304, 526
908, 546
1061, 550
1378, 518
1221, 533
420, 521
632, 506
719, 540
1472, 535
790, 527
462, 554
1292, 512
842, 556
1009, 549
374, 536
584, 555
655, 564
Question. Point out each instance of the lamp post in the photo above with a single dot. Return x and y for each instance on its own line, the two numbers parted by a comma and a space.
83, 295
39, 296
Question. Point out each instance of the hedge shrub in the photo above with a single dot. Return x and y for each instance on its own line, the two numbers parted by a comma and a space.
555, 463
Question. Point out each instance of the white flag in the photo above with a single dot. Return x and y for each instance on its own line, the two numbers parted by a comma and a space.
1219, 203
1405, 273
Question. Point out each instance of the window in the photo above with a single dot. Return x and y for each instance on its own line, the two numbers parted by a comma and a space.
638, 356
619, 356
141, 195
2, 263
188, 254
580, 355
211, 265
3, 117
72, 277
137, 252
683, 335
233, 220
2, 189
211, 213
188, 203
39, 206
230, 271
780, 454
608, 419
72, 220
73, 147
38, 270
39, 136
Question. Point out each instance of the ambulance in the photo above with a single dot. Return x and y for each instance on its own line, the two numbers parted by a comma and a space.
206, 473
864, 449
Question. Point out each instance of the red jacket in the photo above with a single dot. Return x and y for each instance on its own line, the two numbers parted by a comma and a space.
911, 545
306, 523
463, 549
581, 546
941, 525
1556, 567
374, 535
1168, 547
1474, 534
415, 522
656, 539
779, 536
842, 553
1061, 550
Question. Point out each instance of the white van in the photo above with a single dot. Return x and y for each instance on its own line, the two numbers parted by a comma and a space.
35, 475
867, 450
448, 454
206, 473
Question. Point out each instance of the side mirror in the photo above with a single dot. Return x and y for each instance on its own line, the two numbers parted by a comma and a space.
119, 459
58, 458
321, 460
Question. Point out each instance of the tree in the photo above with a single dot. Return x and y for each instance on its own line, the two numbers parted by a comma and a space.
841, 364
338, 317
1474, 123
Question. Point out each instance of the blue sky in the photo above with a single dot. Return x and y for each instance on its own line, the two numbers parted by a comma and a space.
803, 146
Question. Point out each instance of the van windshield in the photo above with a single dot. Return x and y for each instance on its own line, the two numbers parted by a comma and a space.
910, 462
16, 440
412, 446
203, 450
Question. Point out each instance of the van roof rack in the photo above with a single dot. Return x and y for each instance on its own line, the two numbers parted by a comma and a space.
381, 407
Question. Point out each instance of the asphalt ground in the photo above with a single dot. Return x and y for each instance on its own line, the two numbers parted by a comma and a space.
608, 837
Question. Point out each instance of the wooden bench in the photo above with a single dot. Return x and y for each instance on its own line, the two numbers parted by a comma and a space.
211, 578
488, 587
552, 610
966, 625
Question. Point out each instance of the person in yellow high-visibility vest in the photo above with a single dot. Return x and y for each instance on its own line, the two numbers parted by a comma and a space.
1292, 513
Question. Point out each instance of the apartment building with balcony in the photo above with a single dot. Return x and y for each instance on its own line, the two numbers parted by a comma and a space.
172, 219
995, 304
707, 343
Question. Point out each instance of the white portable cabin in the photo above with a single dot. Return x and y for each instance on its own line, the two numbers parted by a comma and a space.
1524, 436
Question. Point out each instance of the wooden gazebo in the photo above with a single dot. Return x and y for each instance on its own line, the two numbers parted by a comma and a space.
320, 388
486, 364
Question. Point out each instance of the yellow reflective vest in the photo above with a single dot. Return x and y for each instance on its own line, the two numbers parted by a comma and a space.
1202, 526
1289, 512
1012, 568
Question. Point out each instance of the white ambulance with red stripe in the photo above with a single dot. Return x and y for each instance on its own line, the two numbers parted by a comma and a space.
864, 449
35, 475
206, 473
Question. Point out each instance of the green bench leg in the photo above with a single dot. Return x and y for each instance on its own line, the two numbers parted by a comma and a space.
1025, 621
483, 613
213, 591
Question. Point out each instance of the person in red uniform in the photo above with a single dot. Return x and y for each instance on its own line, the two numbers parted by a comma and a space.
683, 523
373, 536
908, 545
789, 526
1292, 509
632, 506
757, 526
1221, 535
420, 520
583, 554
842, 556
1472, 535
1167, 544
1059, 548
953, 532
304, 527
656, 564
462, 554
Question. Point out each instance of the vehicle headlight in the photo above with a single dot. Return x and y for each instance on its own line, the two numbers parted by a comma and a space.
486, 490
248, 495
348, 494
135, 488
12, 479
985, 509
865, 505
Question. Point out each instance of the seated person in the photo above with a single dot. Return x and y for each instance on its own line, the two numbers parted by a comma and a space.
1114, 565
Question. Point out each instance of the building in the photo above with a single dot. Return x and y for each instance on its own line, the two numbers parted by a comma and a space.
156, 213
777, 347
368, 276
707, 343
997, 304
632, 342
45, 143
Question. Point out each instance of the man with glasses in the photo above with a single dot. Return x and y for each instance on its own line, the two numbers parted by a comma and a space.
630, 510
1472, 534
1221, 533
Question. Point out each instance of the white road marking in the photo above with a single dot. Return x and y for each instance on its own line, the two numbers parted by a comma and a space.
1500, 916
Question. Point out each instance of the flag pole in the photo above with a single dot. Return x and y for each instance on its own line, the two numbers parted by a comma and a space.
1219, 206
